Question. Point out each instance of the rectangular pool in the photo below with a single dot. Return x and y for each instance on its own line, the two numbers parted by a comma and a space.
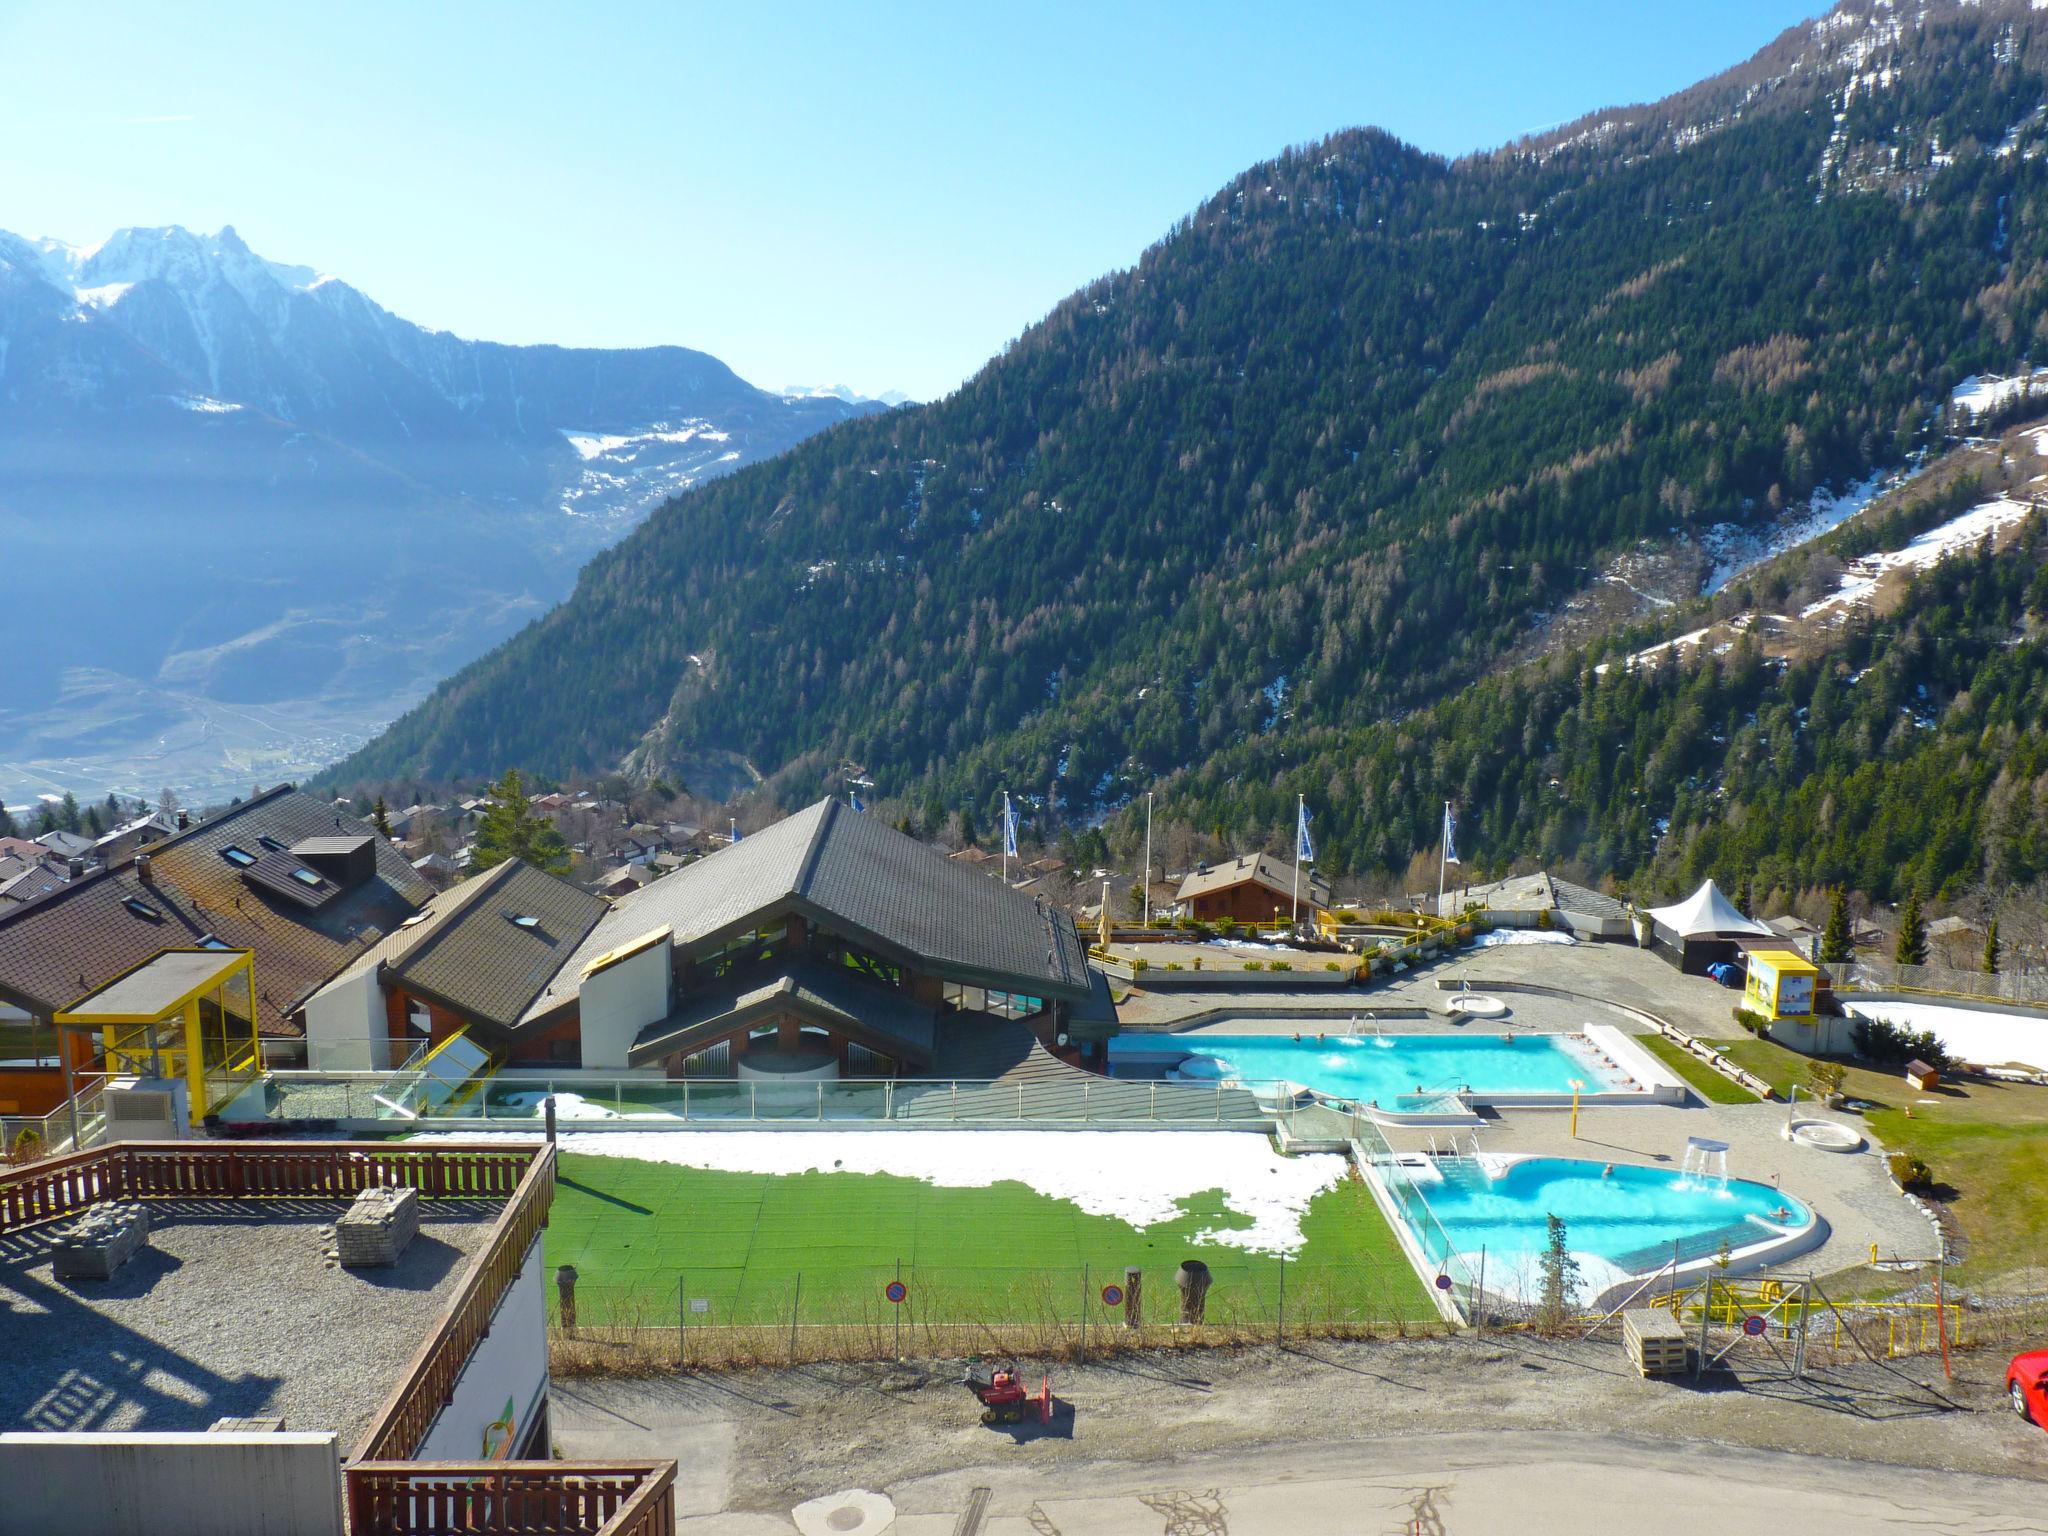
1377, 1069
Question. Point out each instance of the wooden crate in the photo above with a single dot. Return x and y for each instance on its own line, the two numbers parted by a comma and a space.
1654, 1340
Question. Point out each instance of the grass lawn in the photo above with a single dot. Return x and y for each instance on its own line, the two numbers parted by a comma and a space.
1985, 1142
1705, 1081
637, 1230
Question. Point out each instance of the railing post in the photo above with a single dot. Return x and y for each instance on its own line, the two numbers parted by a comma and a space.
821, 1098
686, 1098
753, 1101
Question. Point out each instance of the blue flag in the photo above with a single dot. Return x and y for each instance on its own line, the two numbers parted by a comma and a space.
1009, 827
1450, 836
854, 796
735, 831
1303, 848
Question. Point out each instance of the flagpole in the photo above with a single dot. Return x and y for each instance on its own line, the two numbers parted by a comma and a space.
1006, 837
1443, 860
1147, 878
1294, 914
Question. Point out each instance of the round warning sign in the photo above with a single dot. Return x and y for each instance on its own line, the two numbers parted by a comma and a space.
1754, 1326
1443, 1282
1112, 1295
897, 1292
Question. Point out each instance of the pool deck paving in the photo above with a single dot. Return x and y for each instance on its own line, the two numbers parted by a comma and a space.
1851, 1191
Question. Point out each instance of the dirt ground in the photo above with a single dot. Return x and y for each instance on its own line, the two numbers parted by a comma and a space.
763, 1441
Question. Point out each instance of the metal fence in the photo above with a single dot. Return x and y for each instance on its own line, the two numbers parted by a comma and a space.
514, 1100
1875, 974
724, 1316
25, 1137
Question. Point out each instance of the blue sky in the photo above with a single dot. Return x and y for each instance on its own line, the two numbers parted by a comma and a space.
880, 195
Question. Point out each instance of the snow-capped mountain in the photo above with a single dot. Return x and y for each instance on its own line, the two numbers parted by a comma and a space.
238, 451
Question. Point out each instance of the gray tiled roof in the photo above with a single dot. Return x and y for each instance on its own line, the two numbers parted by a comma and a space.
862, 878
1265, 869
831, 997
56, 949
485, 966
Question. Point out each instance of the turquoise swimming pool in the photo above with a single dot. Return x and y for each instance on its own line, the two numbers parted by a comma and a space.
1376, 1069
1620, 1219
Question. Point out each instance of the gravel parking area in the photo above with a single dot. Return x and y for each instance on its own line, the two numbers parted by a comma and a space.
757, 1443
232, 1310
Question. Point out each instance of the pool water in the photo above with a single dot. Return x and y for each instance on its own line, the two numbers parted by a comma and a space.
1619, 1221
1381, 1069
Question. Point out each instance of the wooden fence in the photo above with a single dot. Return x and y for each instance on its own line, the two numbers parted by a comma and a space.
562, 1498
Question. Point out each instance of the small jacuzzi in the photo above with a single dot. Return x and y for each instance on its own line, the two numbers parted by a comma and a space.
1824, 1136
1476, 1006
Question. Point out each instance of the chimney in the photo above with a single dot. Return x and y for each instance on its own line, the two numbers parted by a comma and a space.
184, 820
145, 869
74, 868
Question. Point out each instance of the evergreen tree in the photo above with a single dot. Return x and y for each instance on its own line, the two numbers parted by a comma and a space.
113, 810
1912, 946
67, 813
7, 827
1560, 1273
1744, 898
1835, 948
512, 829
380, 818
1992, 954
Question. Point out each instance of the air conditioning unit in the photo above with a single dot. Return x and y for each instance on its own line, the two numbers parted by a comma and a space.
146, 1109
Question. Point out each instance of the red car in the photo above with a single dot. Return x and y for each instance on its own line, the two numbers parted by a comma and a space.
2026, 1382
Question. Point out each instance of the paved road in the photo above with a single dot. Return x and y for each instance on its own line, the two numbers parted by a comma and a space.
1528, 1482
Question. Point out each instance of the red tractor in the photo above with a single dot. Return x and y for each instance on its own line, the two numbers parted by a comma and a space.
1004, 1399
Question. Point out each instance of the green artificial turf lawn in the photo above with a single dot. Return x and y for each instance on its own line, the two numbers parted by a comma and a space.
637, 1231
1705, 1081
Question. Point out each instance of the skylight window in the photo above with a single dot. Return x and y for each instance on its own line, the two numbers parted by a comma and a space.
271, 843
306, 877
241, 858
142, 908
210, 941
523, 920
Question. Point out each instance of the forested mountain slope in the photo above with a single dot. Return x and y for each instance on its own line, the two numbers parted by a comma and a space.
1328, 450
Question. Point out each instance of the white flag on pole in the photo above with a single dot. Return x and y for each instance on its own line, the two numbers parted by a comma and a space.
1304, 850
1450, 837
1009, 826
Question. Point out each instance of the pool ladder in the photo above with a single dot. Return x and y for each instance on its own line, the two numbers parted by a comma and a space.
1455, 1150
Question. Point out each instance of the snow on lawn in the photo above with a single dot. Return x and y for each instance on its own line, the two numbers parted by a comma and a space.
1135, 1176
1968, 1034
1953, 537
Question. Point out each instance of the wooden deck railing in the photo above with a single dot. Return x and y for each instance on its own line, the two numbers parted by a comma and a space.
257, 1170
511, 1498
428, 1384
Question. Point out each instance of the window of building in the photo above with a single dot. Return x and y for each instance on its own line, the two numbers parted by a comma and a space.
307, 877
142, 908
271, 843
524, 920
241, 858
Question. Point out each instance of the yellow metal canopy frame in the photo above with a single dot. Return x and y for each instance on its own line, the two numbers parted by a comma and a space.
187, 1013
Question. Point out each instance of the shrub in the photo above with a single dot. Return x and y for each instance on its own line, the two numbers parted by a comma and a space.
1280, 965
1140, 965
1910, 1173
1755, 1023
1173, 965
1255, 965
1331, 965
1892, 1045
1347, 916
1826, 1077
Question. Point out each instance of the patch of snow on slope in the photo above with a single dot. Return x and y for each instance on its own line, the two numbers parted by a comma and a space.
206, 405
1137, 1178
1657, 652
1982, 393
1953, 537
1736, 550
103, 295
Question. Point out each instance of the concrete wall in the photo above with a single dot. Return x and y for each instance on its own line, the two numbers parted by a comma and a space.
620, 1001
346, 1026
170, 1485
506, 1379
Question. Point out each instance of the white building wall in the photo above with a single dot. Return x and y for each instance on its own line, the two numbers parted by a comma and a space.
619, 1001
345, 1027
244, 1484
502, 1390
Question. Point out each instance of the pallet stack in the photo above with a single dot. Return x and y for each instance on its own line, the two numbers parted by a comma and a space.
1654, 1340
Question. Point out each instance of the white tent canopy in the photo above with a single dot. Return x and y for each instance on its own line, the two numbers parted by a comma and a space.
1705, 911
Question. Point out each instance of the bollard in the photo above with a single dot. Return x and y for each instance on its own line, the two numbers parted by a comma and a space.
1134, 1291
1193, 1280
565, 1288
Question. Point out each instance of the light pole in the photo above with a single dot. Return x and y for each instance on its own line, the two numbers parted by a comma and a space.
1577, 1084
1148, 858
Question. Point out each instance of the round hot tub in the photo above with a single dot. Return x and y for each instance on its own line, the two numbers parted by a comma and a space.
1475, 1006
1824, 1136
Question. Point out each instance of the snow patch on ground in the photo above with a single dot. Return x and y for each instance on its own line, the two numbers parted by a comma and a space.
1968, 1034
1500, 936
204, 404
1140, 1177
1982, 393
1936, 544
1736, 550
